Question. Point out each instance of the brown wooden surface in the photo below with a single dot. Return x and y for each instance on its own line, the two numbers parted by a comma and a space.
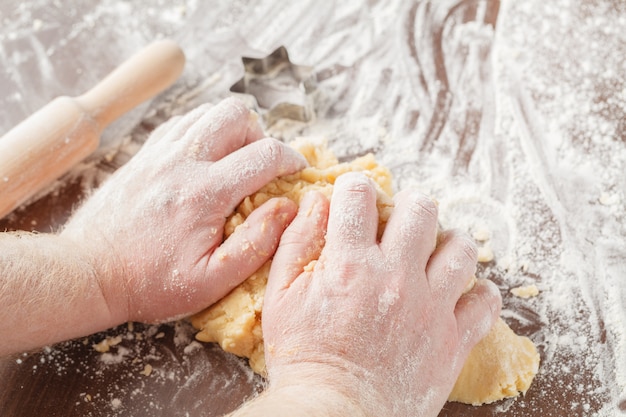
465, 91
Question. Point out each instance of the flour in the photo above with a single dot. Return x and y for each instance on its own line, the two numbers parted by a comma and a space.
544, 175
518, 130
385, 301
579, 157
146, 370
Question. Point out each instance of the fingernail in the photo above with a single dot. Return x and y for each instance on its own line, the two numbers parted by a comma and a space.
354, 180
301, 159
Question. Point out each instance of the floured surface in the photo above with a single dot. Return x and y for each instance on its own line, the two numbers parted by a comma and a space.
517, 130
148, 371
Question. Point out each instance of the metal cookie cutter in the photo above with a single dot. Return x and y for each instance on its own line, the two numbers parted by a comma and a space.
281, 88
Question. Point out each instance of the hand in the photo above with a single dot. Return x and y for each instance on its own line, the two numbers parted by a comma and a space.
385, 324
155, 228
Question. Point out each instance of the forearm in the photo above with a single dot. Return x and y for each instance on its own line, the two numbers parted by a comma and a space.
49, 292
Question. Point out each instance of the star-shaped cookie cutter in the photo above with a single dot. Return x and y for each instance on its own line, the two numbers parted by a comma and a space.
282, 89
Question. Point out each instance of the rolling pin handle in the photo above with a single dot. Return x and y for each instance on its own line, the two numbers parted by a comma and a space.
61, 134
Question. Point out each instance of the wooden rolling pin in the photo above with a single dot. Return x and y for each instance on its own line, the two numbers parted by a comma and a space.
51, 141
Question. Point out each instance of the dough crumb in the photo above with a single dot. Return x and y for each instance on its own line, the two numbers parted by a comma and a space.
485, 254
607, 199
106, 344
147, 370
192, 347
310, 266
481, 234
526, 291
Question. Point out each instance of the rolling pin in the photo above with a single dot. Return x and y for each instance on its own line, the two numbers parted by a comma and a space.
51, 141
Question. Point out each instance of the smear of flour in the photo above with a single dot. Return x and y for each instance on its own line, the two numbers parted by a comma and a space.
385, 301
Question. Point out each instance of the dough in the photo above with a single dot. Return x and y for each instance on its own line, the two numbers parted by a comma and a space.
501, 366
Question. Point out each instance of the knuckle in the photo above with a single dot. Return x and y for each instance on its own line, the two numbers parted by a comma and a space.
202, 109
234, 105
461, 243
468, 247
492, 297
422, 205
173, 121
164, 128
271, 150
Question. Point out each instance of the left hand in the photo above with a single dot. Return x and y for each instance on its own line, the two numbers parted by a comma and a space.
154, 230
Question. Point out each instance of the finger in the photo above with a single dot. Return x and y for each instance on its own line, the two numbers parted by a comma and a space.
177, 126
452, 265
251, 245
476, 312
161, 130
245, 171
301, 243
226, 127
411, 232
353, 218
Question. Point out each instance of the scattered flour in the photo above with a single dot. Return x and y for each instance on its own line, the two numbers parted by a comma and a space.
518, 131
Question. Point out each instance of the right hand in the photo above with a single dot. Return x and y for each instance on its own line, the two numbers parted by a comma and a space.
386, 324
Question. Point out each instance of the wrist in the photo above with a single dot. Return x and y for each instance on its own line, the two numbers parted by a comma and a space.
330, 390
302, 399
95, 256
315, 400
